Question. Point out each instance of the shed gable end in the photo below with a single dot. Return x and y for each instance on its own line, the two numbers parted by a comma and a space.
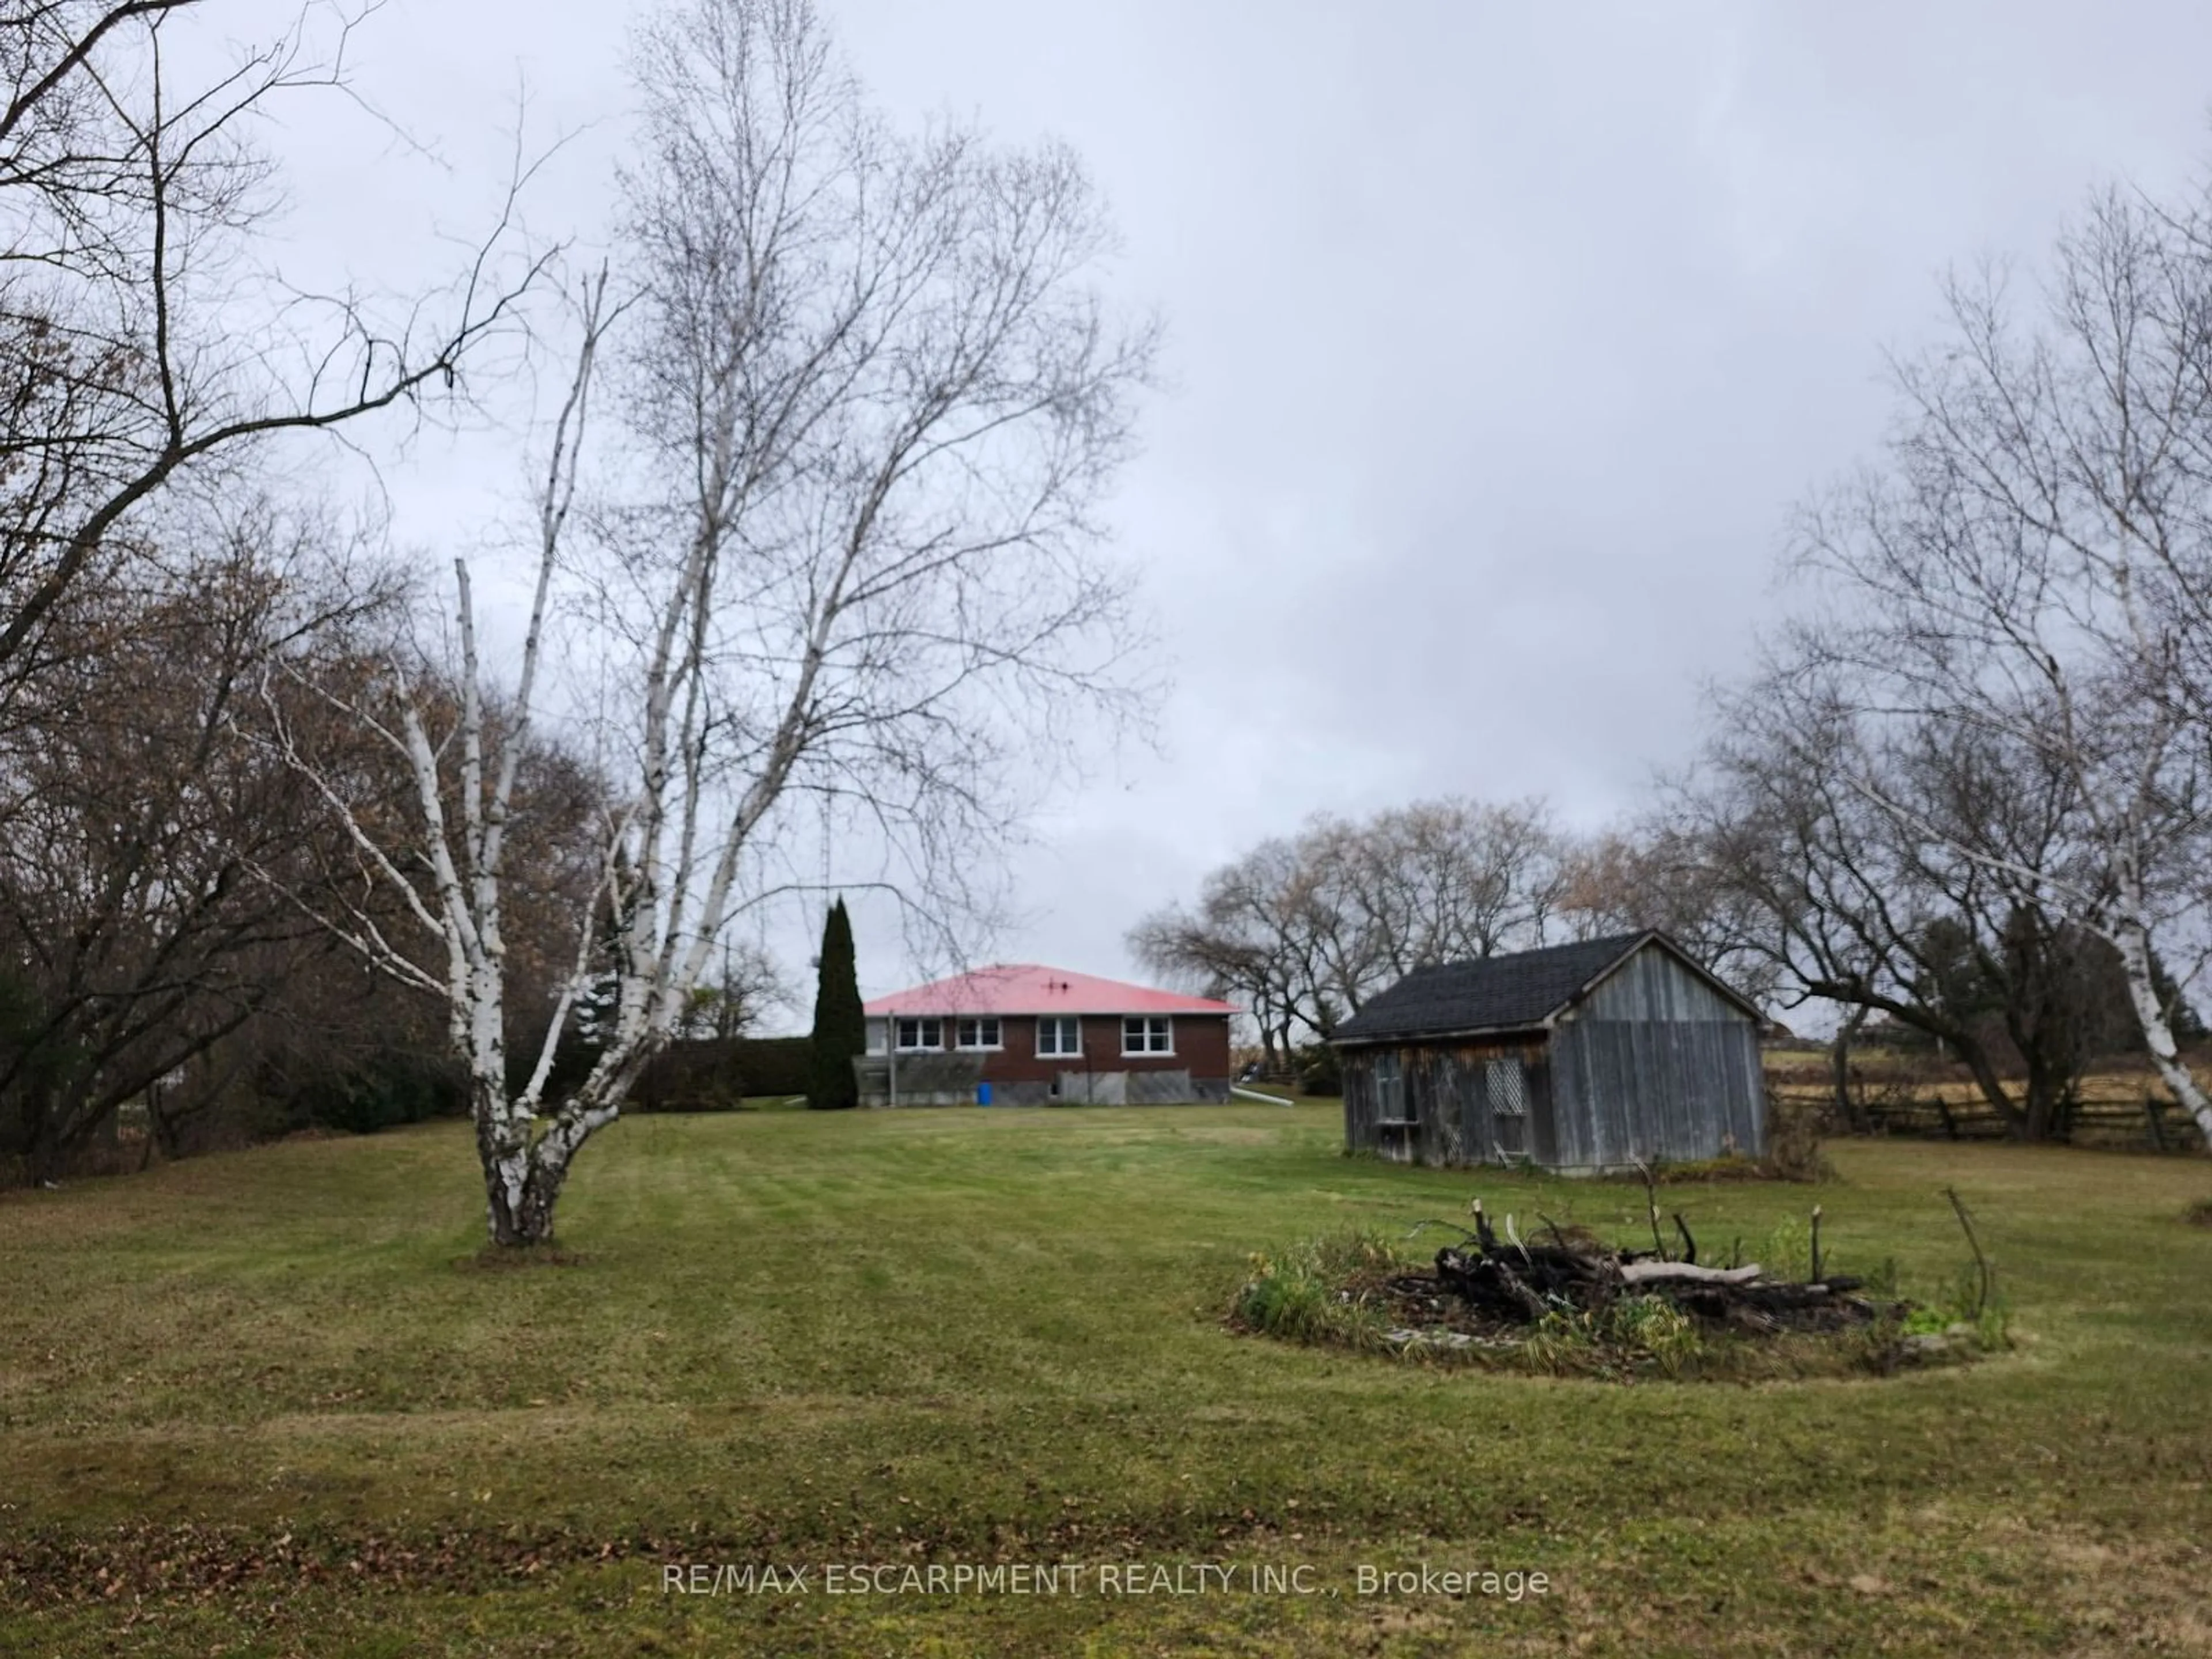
1652, 983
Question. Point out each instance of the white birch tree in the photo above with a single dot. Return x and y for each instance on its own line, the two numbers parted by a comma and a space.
841, 548
2033, 568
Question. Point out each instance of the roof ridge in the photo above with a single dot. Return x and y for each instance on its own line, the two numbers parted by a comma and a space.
1592, 944
1515, 991
1023, 987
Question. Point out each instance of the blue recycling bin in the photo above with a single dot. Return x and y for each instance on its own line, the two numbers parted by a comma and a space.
983, 1094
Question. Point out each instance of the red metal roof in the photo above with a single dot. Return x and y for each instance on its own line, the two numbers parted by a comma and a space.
1027, 989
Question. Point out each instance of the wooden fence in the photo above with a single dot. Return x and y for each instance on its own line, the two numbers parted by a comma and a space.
2135, 1120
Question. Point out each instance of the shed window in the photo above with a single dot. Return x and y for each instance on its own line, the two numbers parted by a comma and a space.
1507, 1085
1389, 1090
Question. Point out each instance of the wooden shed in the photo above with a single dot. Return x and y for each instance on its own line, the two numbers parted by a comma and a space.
1581, 1058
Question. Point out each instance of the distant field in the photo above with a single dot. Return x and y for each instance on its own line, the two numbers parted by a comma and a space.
2123, 1103
260, 1404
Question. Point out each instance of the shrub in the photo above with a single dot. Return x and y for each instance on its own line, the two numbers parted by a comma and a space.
1792, 1141
773, 1065
1786, 1253
1315, 1290
1986, 1328
1728, 1166
1991, 1323
380, 1093
1633, 1333
1645, 1326
1318, 1072
700, 1076
715, 1074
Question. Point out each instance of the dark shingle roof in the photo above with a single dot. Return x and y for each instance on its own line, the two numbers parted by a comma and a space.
1495, 993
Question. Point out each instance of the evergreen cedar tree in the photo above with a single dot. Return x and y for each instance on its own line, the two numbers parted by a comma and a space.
841, 1029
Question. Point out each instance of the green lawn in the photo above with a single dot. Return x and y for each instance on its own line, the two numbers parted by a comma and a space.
266, 1403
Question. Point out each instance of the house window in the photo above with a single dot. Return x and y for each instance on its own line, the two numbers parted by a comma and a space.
1148, 1034
977, 1034
1389, 1090
1059, 1034
1507, 1088
921, 1034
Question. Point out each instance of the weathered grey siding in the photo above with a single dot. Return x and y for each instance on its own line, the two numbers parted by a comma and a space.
1357, 1066
1652, 985
1652, 1064
1447, 1092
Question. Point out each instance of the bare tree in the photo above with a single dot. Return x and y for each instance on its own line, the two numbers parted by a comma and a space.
869, 400
1306, 929
134, 928
1254, 937
2032, 566
1881, 865
1450, 880
142, 339
1650, 873
748, 985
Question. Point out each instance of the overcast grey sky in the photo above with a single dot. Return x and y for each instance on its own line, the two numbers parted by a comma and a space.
1502, 338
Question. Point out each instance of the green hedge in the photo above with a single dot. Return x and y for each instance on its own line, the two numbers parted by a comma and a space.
380, 1093
716, 1074
1318, 1074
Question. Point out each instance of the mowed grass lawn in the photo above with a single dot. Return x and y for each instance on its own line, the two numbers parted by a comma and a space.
264, 1403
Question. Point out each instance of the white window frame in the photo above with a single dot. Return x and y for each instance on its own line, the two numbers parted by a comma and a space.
1390, 1088
981, 1023
922, 1023
1059, 1025
1159, 1025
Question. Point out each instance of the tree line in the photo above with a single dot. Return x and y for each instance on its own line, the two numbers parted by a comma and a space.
1963, 795
1970, 777
1302, 929
813, 539
810, 545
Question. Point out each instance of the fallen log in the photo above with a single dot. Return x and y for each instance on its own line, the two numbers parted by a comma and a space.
1531, 1303
1660, 1273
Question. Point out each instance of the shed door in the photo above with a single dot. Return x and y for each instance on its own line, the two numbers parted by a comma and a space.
1506, 1083
1468, 1145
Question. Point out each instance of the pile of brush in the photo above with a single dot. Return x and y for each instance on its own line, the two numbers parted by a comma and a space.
1514, 1281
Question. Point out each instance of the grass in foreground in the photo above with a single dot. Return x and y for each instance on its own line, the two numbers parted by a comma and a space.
270, 1400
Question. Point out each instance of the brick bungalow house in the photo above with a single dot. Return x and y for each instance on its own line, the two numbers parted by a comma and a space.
1029, 1036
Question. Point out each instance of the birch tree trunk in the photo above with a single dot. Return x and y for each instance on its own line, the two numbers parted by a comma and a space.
870, 402
2132, 939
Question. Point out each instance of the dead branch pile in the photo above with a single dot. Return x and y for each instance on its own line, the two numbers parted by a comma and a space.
1512, 1281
